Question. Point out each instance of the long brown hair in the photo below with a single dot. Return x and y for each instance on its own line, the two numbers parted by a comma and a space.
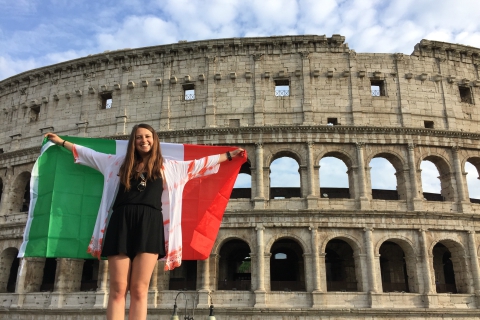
154, 164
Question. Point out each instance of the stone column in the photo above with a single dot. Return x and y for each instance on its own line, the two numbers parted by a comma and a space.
205, 284
260, 294
154, 279
312, 191
259, 198
427, 271
474, 261
459, 177
371, 266
362, 185
258, 90
210, 109
315, 259
30, 275
307, 96
429, 291
416, 202
101, 295
68, 275
68, 278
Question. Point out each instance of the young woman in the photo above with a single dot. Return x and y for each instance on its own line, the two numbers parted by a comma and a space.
134, 187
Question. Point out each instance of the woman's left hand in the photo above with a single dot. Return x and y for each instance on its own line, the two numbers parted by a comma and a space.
237, 153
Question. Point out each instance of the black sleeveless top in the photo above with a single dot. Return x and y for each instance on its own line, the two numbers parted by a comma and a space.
151, 196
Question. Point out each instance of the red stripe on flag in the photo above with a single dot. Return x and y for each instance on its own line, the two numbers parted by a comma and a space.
204, 202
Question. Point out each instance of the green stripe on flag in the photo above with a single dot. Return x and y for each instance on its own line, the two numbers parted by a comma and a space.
67, 205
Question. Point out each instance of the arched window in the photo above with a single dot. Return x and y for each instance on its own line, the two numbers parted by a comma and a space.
472, 168
334, 179
234, 266
90, 275
284, 178
444, 272
437, 180
287, 266
184, 277
243, 185
21, 193
340, 266
1, 190
393, 268
383, 180
48, 281
9, 265
450, 267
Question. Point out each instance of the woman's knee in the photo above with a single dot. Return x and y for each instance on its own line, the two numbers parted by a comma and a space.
118, 289
138, 291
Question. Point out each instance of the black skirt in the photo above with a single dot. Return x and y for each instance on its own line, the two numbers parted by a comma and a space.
134, 229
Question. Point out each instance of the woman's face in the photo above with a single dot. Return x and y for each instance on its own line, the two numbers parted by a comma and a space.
143, 141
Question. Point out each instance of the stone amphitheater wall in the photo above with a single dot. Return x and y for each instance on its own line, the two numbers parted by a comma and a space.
425, 109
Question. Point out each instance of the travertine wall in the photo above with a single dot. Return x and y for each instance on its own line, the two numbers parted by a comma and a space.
235, 103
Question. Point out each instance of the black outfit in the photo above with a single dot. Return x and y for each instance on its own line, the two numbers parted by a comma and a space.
136, 223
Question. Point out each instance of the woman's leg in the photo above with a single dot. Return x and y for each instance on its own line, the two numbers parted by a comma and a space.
119, 271
141, 272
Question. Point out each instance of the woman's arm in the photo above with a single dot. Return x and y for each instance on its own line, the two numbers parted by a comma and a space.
59, 141
235, 153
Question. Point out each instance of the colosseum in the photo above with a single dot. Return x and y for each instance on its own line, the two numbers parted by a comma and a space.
304, 252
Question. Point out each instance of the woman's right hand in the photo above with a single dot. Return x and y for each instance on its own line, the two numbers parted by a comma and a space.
54, 138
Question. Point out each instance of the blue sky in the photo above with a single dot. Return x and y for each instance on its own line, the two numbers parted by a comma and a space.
44, 32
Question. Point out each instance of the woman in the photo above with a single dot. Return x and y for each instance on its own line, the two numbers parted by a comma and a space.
135, 185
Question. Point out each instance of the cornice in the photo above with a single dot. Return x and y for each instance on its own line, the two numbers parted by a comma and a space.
224, 46
356, 130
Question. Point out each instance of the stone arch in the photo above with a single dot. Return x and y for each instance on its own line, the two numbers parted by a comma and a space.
475, 162
407, 278
348, 161
234, 265
243, 192
20, 193
49, 273
285, 152
352, 241
450, 266
184, 278
8, 269
287, 265
221, 240
399, 165
89, 279
342, 267
446, 176
287, 235
285, 192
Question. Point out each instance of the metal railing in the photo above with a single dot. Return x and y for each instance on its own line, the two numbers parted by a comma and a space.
282, 93
376, 93
189, 96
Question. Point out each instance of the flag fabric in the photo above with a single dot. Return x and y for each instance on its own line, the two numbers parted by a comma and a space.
65, 199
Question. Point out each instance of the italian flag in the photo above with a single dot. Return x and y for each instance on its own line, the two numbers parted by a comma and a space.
65, 199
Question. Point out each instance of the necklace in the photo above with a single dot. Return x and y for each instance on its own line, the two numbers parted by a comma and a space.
143, 184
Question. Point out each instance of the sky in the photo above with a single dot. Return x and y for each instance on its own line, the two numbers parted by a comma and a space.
36, 33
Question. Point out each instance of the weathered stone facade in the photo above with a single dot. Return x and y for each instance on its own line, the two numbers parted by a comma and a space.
310, 255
